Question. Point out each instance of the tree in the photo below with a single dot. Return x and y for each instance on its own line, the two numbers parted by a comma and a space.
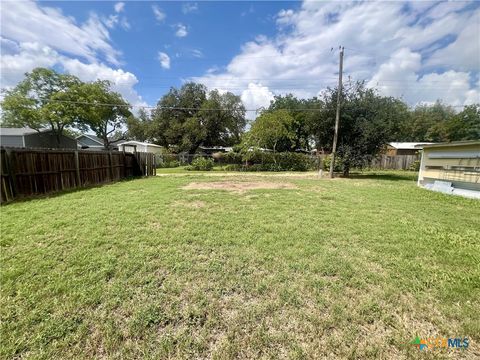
367, 122
223, 116
272, 130
189, 117
43, 100
103, 111
139, 127
464, 125
304, 113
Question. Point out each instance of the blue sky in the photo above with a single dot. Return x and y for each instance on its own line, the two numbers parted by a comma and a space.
215, 33
420, 51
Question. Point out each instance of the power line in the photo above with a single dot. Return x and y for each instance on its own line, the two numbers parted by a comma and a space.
191, 108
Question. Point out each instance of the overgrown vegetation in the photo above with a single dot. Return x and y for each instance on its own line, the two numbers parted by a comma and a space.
350, 268
201, 164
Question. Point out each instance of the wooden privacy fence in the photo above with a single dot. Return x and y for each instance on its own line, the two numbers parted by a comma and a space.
27, 172
396, 162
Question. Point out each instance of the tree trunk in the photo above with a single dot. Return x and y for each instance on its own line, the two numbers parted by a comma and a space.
346, 169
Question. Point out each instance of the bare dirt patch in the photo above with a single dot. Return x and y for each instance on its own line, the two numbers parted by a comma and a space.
239, 187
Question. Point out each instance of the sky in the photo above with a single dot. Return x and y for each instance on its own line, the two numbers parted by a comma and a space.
420, 51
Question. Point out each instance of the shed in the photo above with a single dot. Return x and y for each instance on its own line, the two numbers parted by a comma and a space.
451, 168
31, 138
138, 146
404, 148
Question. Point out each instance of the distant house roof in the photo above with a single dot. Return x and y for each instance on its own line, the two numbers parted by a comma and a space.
133, 142
408, 145
91, 137
17, 131
454, 143
213, 148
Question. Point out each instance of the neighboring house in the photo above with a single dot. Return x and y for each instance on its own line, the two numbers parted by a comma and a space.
94, 143
404, 148
452, 168
30, 138
209, 150
137, 146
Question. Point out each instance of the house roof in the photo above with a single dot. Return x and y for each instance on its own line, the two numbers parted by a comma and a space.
16, 131
408, 145
91, 137
133, 142
454, 143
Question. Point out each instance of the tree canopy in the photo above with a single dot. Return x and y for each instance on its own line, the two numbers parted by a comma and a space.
102, 110
40, 101
46, 99
190, 116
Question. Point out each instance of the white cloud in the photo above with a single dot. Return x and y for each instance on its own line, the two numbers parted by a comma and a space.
122, 81
181, 30
189, 7
37, 36
27, 21
119, 7
117, 19
399, 47
256, 96
164, 60
159, 14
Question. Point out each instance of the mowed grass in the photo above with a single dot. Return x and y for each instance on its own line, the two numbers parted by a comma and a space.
344, 268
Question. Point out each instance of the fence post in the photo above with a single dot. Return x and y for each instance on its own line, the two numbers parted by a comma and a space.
10, 192
77, 168
10, 156
124, 163
110, 165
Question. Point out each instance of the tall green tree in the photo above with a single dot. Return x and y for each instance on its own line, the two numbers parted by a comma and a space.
190, 116
43, 100
272, 130
102, 110
464, 125
367, 123
139, 127
302, 111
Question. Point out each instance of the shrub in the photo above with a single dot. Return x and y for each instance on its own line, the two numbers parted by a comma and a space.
327, 160
414, 166
230, 158
268, 161
167, 161
201, 164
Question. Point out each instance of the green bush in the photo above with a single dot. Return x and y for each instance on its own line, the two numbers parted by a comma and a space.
268, 161
327, 160
201, 164
230, 158
167, 161
414, 166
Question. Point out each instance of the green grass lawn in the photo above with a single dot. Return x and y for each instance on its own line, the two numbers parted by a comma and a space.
343, 268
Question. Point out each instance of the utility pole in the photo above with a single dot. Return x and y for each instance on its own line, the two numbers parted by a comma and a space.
337, 116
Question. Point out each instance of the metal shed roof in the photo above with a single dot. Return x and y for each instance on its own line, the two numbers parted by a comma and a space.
408, 145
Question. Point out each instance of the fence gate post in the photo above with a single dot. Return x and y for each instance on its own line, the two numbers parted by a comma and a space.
77, 168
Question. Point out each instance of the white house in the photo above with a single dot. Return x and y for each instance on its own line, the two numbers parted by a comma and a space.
137, 146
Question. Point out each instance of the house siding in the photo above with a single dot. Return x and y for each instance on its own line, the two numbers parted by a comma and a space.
11, 141
49, 140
